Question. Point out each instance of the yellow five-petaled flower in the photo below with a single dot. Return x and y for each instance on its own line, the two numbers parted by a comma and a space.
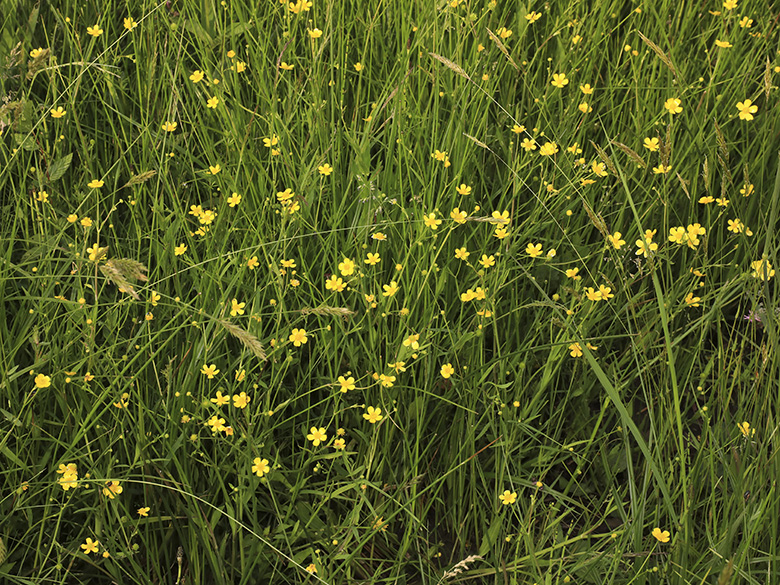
373, 415
661, 536
746, 109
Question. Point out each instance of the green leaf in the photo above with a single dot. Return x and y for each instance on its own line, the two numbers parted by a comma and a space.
491, 536
25, 142
58, 168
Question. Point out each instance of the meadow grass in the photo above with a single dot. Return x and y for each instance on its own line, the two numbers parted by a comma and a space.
389, 292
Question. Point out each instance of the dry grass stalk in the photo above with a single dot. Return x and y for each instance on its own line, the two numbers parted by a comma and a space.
605, 158
249, 341
632, 154
327, 310
138, 179
449, 64
661, 55
502, 48
121, 271
460, 567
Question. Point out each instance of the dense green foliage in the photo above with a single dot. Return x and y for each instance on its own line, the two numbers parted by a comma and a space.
529, 235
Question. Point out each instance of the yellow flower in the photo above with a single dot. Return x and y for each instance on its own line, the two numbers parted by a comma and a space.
390, 289
599, 169
559, 80
645, 250
508, 497
735, 226
744, 428
746, 110
35, 53
325, 169
723, 44
112, 489
285, 66
661, 169
660, 536
95, 31
346, 384
180, 249
315, 34
95, 184
90, 546
347, 267
585, 108
691, 300
458, 216
463, 189
252, 263
260, 466
216, 423
447, 370
487, 261
214, 169
236, 308
504, 33
373, 415
528, 144
730, 4
42, 381
762, 269
651, 144
548, 149
678, 235
58, 113
673, 105
431, 221
533, 250
144, 512
317, 436
358, 66
297, 337
518, 129
197, 76
169, 126
130, 24
372, 258
335, 283
575, 350
209, 371
68, 481
299, 6
212, 102
234, 199
572, 273
586, 89
532, 16
461, 253
616, 241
